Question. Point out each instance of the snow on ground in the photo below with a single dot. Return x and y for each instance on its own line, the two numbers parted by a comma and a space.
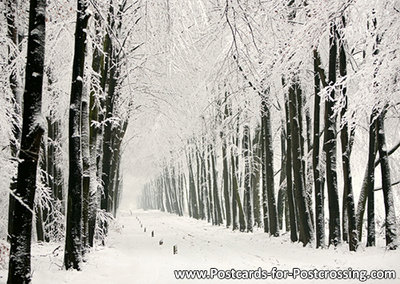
133, 256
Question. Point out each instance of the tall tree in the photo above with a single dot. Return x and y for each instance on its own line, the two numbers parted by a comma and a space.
247, 174
318, 177
94, 103
306, 228
32, 131
268, 186
73, 239
371, 181
226, 169
330, 144
217, 202
15, 112
390, 215
85, 169
255, 176
289, 180
345, 139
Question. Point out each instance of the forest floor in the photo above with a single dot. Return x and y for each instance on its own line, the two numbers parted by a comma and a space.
134, 256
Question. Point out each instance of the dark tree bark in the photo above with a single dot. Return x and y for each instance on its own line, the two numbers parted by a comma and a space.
46, 180
166, 191
330, 145
73, 239
205, 185
236, 203
247, 189
32, 131
210, 187
226, 170
39, 224
217, 202
192, 191
370, 182
318, 177
268, 187
12, 34
85, 170
289, 180
282, 198
390, 216
255, 177
306, 228
362, 201
118, 135
200, 184
107, 139
235, 224
226, 183
95, 92
348, 195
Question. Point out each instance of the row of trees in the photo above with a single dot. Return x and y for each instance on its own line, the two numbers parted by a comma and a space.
301, 88
86, 194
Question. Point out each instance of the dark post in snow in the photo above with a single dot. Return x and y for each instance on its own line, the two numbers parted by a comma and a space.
73, 238
32, 131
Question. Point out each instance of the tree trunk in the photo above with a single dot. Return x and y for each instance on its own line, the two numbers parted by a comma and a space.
226, 171
217, 202
306, 229
95, 93
255, 177
32, 131
236, 203
39, 224
247, 173
370, 182
12, 34
210, 188
390, 216
269, 168
330, 145
200, 185
282, 198
264, 194
346, 151
318, 177
192, 191
85, 170
73, 239
107, 139
289, 181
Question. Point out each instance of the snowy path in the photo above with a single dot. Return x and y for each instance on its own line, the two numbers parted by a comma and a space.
133, 256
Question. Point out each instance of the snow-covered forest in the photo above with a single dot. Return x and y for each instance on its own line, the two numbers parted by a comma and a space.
269, 125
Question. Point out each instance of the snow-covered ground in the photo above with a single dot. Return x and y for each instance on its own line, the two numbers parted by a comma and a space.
134, 256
